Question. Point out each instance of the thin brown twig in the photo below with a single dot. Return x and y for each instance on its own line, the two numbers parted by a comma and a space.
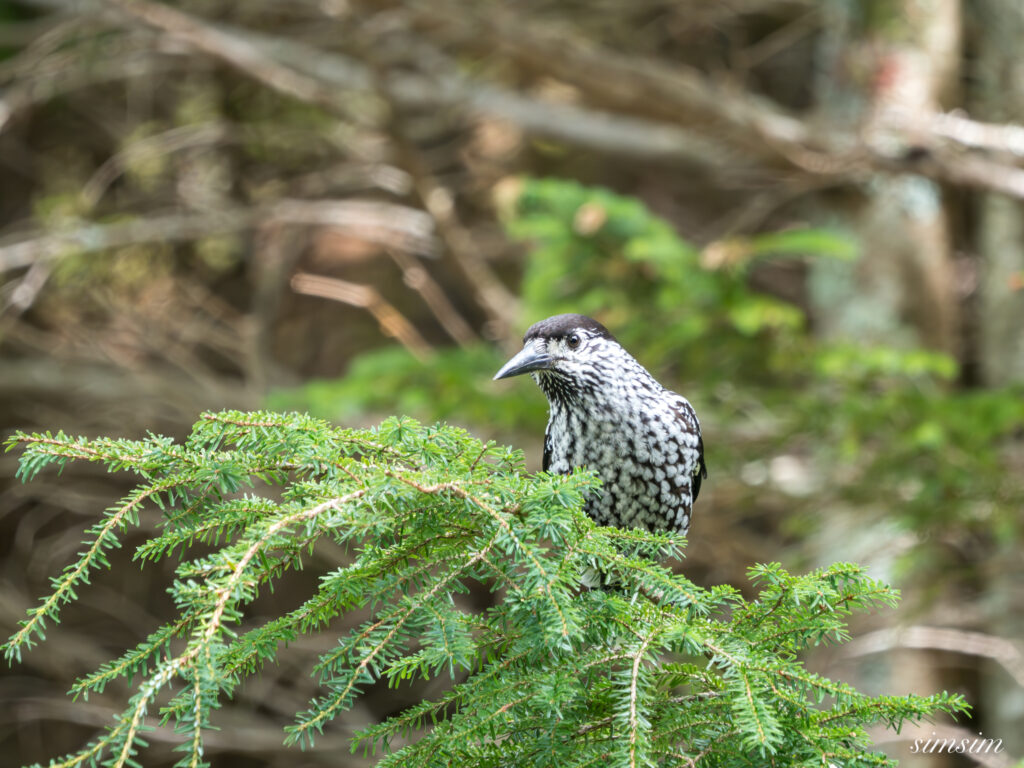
392, 322
500, 304
418, 278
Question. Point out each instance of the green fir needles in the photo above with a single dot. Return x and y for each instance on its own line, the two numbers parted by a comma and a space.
656, 671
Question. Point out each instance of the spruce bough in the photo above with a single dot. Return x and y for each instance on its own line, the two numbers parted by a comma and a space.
658, 671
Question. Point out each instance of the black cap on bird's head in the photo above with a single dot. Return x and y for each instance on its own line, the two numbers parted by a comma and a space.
550, 341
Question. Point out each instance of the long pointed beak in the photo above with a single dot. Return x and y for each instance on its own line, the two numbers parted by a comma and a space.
527, 360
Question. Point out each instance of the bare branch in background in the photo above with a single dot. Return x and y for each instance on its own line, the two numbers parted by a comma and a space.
386, 224
233, 50
961, 130
183, 137
1004, 652
626, 135
23, 294
501, 305
663, 112
392, 322
751, 124
678, 94
43, 86
418, 278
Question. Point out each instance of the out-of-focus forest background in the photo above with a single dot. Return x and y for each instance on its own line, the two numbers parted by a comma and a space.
805, 215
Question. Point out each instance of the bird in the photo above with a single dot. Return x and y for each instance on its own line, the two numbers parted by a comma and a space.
609, 414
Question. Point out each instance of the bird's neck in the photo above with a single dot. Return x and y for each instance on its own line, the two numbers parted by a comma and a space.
560, 390
603, 395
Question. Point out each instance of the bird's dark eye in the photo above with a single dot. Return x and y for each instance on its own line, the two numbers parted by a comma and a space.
574, 341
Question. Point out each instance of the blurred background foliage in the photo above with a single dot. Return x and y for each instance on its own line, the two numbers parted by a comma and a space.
805, 216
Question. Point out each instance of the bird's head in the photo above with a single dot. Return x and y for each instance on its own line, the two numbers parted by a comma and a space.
567, 353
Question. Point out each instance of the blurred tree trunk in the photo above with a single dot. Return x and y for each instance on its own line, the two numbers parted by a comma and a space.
1000, 96
898, 56
880, 58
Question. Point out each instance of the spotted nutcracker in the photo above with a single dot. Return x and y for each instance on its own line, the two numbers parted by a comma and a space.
607, 413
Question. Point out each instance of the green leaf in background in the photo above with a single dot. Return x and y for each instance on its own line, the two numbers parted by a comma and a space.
804, 242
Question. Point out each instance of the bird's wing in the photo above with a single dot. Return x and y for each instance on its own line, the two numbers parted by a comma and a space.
547, 449
686, 417
700, 469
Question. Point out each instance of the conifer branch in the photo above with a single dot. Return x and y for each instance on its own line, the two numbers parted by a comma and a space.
634, 685
460, 492
64, 587
551, 674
